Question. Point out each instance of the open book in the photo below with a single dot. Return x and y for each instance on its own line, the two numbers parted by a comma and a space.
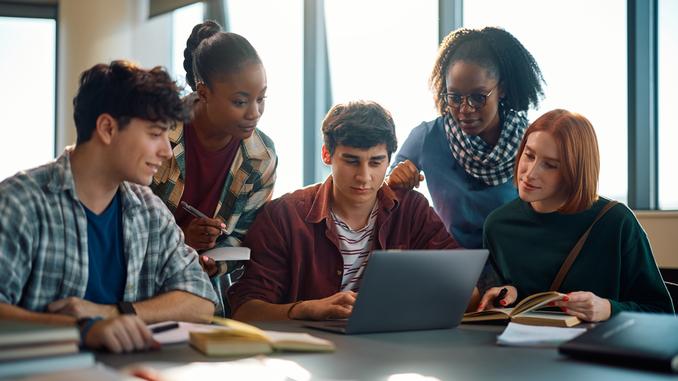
523, 312
243, 339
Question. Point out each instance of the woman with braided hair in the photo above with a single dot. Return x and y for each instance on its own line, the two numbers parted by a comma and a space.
221, 165
483, 83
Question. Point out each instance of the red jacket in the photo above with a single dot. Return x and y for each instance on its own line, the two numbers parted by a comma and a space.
295, 250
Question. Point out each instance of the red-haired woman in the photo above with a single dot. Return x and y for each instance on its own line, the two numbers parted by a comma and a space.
529, 238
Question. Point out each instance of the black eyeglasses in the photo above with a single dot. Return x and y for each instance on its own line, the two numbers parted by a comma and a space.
475, 100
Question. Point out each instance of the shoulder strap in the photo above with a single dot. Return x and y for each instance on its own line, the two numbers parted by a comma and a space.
577, 248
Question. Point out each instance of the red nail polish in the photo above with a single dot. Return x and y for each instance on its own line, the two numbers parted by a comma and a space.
502, 302
566, 298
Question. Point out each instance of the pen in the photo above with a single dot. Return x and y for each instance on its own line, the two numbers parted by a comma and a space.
165, 327
502, 294
195, 212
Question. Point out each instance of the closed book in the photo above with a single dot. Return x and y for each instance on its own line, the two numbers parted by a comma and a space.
37, 350
45, 364
631, 339
526, 312
16, 333
240, 339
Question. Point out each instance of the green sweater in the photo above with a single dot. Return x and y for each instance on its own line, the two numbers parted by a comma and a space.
527, 248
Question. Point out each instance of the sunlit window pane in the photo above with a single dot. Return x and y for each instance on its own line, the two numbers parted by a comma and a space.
668, 113
27, 74
383, 50
183, 21
580, 46
277, 35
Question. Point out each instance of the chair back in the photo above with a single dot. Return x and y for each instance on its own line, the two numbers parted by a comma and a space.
673, 291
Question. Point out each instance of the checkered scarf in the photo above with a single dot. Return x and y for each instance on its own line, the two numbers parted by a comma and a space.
491, 165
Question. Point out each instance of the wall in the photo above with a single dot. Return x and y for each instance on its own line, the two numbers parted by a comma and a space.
94, 31
662, 229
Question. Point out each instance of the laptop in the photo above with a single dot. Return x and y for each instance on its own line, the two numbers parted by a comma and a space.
405, 290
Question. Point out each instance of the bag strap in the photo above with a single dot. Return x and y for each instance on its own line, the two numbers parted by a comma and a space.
577, 248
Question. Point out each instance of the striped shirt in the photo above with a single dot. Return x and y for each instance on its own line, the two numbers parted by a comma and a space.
355, 247
44, 249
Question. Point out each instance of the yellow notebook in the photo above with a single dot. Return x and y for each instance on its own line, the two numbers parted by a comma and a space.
244, 339
523, 312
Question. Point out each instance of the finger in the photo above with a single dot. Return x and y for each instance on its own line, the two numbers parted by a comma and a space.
340, 312
345, 299
577, 296
137, 338
123, 337
581, 315
57, 305
111, 341
145, 334
487, 298
212, 222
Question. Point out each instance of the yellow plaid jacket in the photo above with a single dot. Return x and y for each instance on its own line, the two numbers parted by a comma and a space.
249, 183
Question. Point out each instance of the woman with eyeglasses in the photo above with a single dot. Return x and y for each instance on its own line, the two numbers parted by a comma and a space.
483, 83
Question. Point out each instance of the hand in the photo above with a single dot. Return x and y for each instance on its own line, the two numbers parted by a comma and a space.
80, 308
337, 306
208, 265
488, 298
585, 305
405, 175
126, 333
202, 233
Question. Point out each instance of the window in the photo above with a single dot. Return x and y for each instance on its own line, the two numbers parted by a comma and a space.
27, 74
668, 115
183, 21
277, 35
581, 47
384, 56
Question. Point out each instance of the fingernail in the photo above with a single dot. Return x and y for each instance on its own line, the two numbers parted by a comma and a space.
566, 298
551, 304
564, 309
223, 226
502, 302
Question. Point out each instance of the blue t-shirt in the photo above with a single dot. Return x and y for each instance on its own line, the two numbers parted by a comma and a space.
461, 201
107, 264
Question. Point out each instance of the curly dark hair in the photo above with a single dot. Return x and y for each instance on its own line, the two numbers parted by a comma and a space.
501, 54
124, 91
359, 124
211, 52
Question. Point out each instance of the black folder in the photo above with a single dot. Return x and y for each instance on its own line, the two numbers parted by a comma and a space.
642, 340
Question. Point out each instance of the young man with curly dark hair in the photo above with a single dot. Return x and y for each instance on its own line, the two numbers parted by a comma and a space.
84, 240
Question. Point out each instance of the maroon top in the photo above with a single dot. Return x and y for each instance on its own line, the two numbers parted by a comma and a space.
295, 249
206, 173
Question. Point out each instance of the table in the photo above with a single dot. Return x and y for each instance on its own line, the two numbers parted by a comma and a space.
468, 352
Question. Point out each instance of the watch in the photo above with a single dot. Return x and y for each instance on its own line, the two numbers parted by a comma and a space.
126, 308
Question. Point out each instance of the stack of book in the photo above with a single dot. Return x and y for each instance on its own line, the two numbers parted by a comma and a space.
32, 348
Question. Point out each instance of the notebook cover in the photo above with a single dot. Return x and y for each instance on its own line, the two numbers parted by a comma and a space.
632, 339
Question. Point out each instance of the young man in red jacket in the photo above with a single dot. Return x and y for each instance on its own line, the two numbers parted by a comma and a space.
310, 247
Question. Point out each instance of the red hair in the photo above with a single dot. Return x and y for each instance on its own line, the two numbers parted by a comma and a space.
579, 157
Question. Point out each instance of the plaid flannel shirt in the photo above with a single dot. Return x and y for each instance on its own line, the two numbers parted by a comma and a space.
249, 184
43, 242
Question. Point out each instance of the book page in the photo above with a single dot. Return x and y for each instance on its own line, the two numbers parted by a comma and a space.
536, 301
297, 341
536, 336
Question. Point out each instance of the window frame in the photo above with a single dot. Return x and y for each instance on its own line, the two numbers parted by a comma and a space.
41, 10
